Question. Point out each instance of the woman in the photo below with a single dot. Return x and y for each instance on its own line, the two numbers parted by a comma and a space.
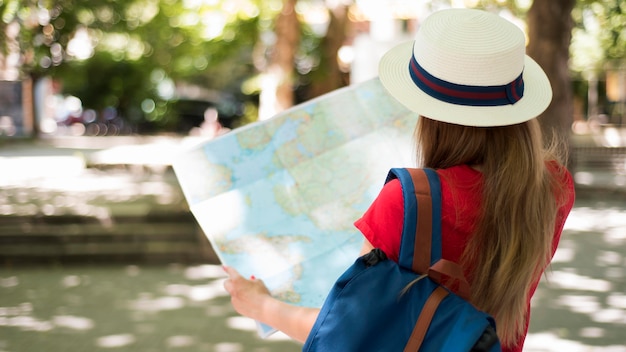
505, 197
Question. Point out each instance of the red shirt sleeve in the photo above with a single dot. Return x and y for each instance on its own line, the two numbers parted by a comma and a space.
382, 222
460, 188
567, 196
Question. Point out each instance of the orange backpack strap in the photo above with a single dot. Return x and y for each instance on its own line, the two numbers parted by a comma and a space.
423, 230
421, 243
423, 321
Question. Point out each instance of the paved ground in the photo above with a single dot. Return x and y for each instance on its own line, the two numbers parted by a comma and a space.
182, 307
174, 307
73, 198
582, 304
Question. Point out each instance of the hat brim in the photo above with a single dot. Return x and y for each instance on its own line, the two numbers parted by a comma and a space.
394, 75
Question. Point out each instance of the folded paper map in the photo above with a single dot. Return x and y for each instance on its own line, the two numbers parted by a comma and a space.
277, 199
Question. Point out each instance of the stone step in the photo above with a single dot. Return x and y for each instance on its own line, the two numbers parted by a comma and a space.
172, 237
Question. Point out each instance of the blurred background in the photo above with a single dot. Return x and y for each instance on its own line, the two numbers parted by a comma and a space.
98, 249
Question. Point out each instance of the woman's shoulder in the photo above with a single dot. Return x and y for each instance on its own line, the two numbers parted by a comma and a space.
460, 178
460, 171
391, 191
560, 171
564, 188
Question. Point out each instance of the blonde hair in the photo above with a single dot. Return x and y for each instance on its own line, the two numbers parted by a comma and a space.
512, 240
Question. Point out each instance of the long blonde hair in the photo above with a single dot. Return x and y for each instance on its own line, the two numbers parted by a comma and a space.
512, 241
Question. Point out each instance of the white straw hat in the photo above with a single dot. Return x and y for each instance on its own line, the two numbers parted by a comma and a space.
467, 67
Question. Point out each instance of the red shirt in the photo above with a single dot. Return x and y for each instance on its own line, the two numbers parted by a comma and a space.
461, 189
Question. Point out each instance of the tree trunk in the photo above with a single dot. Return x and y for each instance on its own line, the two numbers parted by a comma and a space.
329, 76
550, 31
278, 93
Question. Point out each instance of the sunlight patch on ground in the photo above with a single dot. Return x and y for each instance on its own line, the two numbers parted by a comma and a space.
149, 304
569, 280
203, 272
26, 323
241, 323
592, 332
85, 183
563, 255
21, 317
608, 258
73, 322
551, 342
580, 304
228, 347
616, 235
617, 300
610, 315
20, 170
588, 219
10, 281
115, 341
247, 324
71, 281
197, 293
589, 178
55, 185
154, 154
180, 341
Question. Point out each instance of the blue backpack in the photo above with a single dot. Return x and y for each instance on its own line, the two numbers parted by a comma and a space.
380, 305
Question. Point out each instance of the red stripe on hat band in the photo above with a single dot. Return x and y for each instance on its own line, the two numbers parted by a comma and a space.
464, 94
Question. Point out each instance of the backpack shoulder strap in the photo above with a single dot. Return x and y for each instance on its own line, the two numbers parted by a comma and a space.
420, 247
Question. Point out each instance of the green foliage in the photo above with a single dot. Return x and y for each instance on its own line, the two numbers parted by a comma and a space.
129, 48
601, 22
103, 82
132, 51
614, 19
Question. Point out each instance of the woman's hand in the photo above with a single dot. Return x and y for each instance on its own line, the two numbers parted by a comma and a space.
252, 299
246, 296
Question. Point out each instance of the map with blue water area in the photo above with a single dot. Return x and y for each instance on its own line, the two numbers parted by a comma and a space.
277, 199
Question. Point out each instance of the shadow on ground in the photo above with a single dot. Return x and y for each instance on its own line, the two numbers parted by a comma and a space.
124, 308
581, 305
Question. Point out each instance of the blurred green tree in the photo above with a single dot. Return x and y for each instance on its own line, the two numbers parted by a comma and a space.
136, 55
131, 54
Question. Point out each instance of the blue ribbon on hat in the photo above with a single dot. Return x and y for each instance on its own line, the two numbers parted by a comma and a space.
463, 94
